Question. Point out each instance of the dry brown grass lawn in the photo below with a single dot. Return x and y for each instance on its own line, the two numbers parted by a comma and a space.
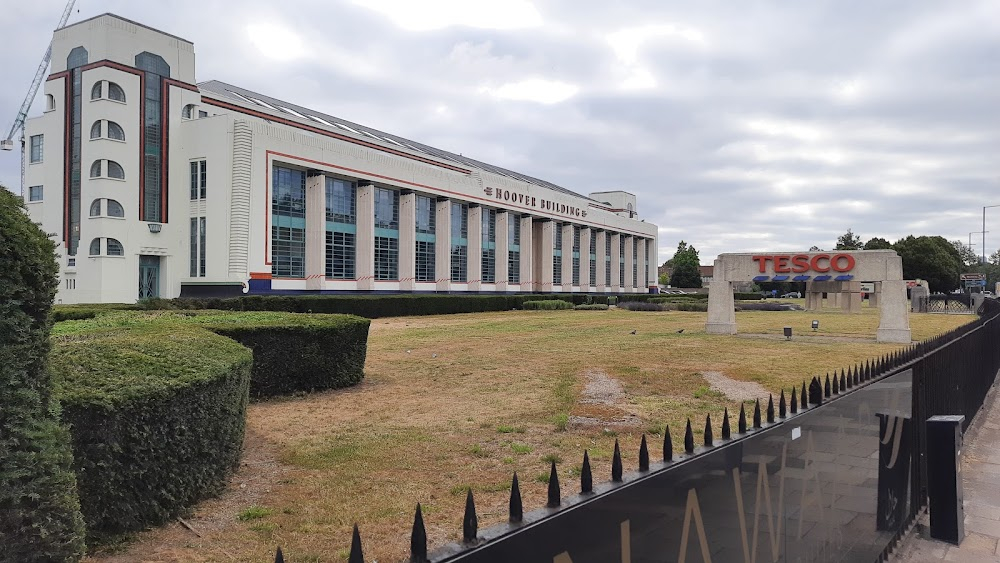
460, 401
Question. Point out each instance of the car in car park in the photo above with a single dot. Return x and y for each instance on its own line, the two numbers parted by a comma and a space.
792, 295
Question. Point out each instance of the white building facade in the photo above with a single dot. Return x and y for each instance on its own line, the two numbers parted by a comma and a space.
156, 186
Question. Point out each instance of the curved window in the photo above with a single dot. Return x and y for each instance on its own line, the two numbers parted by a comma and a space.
95, 247
96, 91
95, 169
115, 248
188, 111
115, 92
115, 209
95, 208
50, 102
95, 130
115, 170
115, 131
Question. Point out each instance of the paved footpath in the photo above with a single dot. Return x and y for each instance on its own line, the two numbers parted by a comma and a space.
981, 466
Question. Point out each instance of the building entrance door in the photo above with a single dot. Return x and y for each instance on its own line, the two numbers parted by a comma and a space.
149, 277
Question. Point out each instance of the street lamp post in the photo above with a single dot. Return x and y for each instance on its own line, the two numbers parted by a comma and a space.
985, 207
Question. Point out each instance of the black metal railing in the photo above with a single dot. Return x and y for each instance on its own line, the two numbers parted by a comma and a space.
834, 470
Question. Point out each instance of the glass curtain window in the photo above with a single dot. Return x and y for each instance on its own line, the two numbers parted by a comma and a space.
635, 264
194, 248
199, 177
78, 57
621, 260
557, 256
426, 252
115, 131
115, 248
288, 223
341, 228
459, 242
513, 248
155, 71
37, 146
607, 258
115, 170
489, 249
201, 246
386, 234
593, 257
116, 93
576, 255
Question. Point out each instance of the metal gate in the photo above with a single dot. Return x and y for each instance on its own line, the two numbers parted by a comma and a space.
149, 277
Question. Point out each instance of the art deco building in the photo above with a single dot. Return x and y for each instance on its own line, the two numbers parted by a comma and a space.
156, 185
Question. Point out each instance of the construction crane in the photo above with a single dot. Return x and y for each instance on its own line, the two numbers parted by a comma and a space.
8, 143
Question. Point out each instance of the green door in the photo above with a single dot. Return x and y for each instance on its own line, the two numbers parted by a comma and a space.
149, 277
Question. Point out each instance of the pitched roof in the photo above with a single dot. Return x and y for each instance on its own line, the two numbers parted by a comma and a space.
314, 118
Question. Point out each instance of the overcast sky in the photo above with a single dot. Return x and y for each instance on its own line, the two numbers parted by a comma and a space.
740, 125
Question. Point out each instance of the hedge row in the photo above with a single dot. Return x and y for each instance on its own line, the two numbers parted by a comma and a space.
39, 510
156, 401
546, 305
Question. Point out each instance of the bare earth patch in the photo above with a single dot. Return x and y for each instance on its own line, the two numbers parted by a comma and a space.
732, 389
602, 402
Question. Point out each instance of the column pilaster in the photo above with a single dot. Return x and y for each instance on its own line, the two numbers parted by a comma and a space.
442, 244
601, 282
407, 240
527, 254
616, 256
503, 219
586, 284
315, 231
364, 262
475, 248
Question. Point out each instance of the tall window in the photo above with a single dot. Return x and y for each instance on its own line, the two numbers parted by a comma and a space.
635, 264
593, 257
35, 193
198, 247
489, 250
155, 71
459, 242
621, 260
607, 258
513, 248
341, 228
386, 234
288, 223
557, 256
78, 57
199, 179
425, 251
37, 142
576, 255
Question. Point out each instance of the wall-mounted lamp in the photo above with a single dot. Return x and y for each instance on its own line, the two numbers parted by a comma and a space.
788, 333
815, 326
155, 227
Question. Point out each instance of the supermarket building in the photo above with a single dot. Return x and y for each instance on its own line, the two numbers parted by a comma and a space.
154, 185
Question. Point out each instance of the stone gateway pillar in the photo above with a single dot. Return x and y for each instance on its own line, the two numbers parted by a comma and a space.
837, 273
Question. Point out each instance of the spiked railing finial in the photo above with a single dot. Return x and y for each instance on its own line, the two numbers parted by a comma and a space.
470, 522
616, 464
586, 478
554, 495
688, 438
356, 556
782, 406
726, 431
770, 409
643, 455
756, 414
516, 509
668, 444
742, 422
708, 431
794, 402
418, 539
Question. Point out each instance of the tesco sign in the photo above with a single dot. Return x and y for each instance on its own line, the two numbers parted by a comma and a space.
799, 263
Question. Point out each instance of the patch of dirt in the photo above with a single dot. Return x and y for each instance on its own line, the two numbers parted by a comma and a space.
732, 389
603, 403
259, 473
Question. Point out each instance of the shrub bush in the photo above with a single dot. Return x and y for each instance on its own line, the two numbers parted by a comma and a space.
313, 353
765, 307
156, 400
39, 509
157, 416
641, 306
546, 305
693, 307
747, 296
591, 307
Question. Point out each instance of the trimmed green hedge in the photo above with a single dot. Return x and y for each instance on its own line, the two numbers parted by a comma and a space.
546, 305
39, 510
591, 307
156, 414
156, 401
748, 296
